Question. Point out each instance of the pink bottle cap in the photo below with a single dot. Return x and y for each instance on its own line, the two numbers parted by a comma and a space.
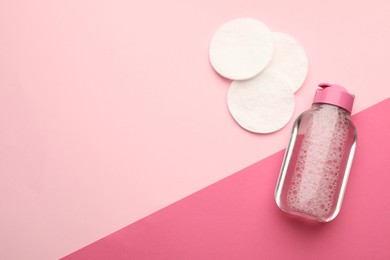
334, 95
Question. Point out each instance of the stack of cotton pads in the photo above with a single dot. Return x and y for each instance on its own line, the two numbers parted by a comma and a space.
266, 67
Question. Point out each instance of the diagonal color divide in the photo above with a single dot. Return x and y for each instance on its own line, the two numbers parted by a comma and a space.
237, 218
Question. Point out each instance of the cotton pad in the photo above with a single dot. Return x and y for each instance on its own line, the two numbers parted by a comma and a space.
289, 60
263, 104
241, 48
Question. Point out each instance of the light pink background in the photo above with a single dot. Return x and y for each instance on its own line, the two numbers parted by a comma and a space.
109, 110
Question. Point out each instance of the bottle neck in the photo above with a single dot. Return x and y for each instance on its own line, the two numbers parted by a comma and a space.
339, 110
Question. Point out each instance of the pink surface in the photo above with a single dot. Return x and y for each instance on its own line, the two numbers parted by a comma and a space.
109, 110
237, 217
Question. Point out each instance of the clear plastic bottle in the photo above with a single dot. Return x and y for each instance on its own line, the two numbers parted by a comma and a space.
319, 156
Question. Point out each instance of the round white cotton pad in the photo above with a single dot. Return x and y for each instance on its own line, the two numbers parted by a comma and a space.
263, 104
289, 60
241, 48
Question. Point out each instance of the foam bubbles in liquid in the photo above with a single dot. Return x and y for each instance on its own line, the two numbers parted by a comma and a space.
316, 174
